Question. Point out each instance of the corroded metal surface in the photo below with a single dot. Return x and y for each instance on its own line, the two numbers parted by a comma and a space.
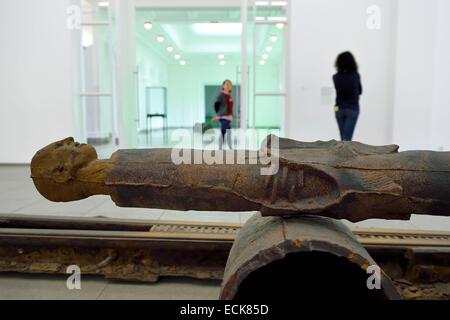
417, 261
267, 240
343, 180
145, 265
125, 255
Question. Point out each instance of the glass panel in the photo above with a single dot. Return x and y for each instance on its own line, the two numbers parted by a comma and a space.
272, 11
96, 59
268, 25
94, 114
98, 123
189, 52
269, 112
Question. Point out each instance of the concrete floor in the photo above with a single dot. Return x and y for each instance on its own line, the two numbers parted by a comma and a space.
53, 287
19, 196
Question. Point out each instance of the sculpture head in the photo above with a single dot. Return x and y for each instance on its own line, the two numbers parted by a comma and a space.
61, 160
54, 168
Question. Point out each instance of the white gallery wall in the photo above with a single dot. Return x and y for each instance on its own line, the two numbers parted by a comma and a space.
404, 66
440, 122
320, 30
35, 77
422, 95
415, 57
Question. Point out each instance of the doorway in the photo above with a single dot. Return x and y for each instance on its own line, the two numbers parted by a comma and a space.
183, 49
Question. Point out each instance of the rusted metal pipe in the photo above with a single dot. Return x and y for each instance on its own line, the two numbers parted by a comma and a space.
314, 257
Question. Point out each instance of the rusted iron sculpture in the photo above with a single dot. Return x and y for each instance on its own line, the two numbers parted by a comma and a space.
342, 180
316, 257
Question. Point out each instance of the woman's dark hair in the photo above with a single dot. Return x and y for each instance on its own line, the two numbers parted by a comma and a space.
346, 62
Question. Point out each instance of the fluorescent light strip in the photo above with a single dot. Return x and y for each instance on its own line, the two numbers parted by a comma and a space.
279, 3
277, 19
273, 3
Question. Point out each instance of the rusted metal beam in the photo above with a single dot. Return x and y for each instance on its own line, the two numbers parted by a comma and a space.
114, 254
368, 237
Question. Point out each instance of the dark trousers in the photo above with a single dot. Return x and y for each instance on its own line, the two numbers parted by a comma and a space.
225, 126
346, 119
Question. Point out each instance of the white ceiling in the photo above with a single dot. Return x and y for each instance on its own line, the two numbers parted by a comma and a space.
176, 25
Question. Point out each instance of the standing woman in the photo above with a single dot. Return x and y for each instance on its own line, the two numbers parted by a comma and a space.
224, 110
347, 82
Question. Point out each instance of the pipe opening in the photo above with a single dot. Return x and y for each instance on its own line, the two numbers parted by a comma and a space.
308, 275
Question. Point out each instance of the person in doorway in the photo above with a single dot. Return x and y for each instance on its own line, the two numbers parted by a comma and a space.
347, 83
224, 110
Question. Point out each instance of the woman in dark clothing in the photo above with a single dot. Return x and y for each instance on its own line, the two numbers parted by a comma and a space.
347, 82
224, 110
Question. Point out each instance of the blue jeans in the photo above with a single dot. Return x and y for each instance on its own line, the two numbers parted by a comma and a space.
346, 119
225, 125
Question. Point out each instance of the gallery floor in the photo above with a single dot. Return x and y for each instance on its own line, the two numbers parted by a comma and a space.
18, 196
26, 286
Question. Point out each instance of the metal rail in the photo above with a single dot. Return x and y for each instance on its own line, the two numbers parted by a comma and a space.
42, 227
144, 250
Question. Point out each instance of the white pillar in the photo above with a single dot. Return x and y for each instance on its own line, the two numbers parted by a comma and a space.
125, 68
244, 65
440, 115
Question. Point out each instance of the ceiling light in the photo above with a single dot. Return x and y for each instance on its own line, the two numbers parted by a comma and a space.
221, 56
269, 48
160, 38
279, 3
148, 25
280, 26
274, 38
265, 56
276, 18
260, 18
177, 56
169, 48
261, 3
103, 4
183, 63
222, 62
262, 62
87, 37
218, 28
